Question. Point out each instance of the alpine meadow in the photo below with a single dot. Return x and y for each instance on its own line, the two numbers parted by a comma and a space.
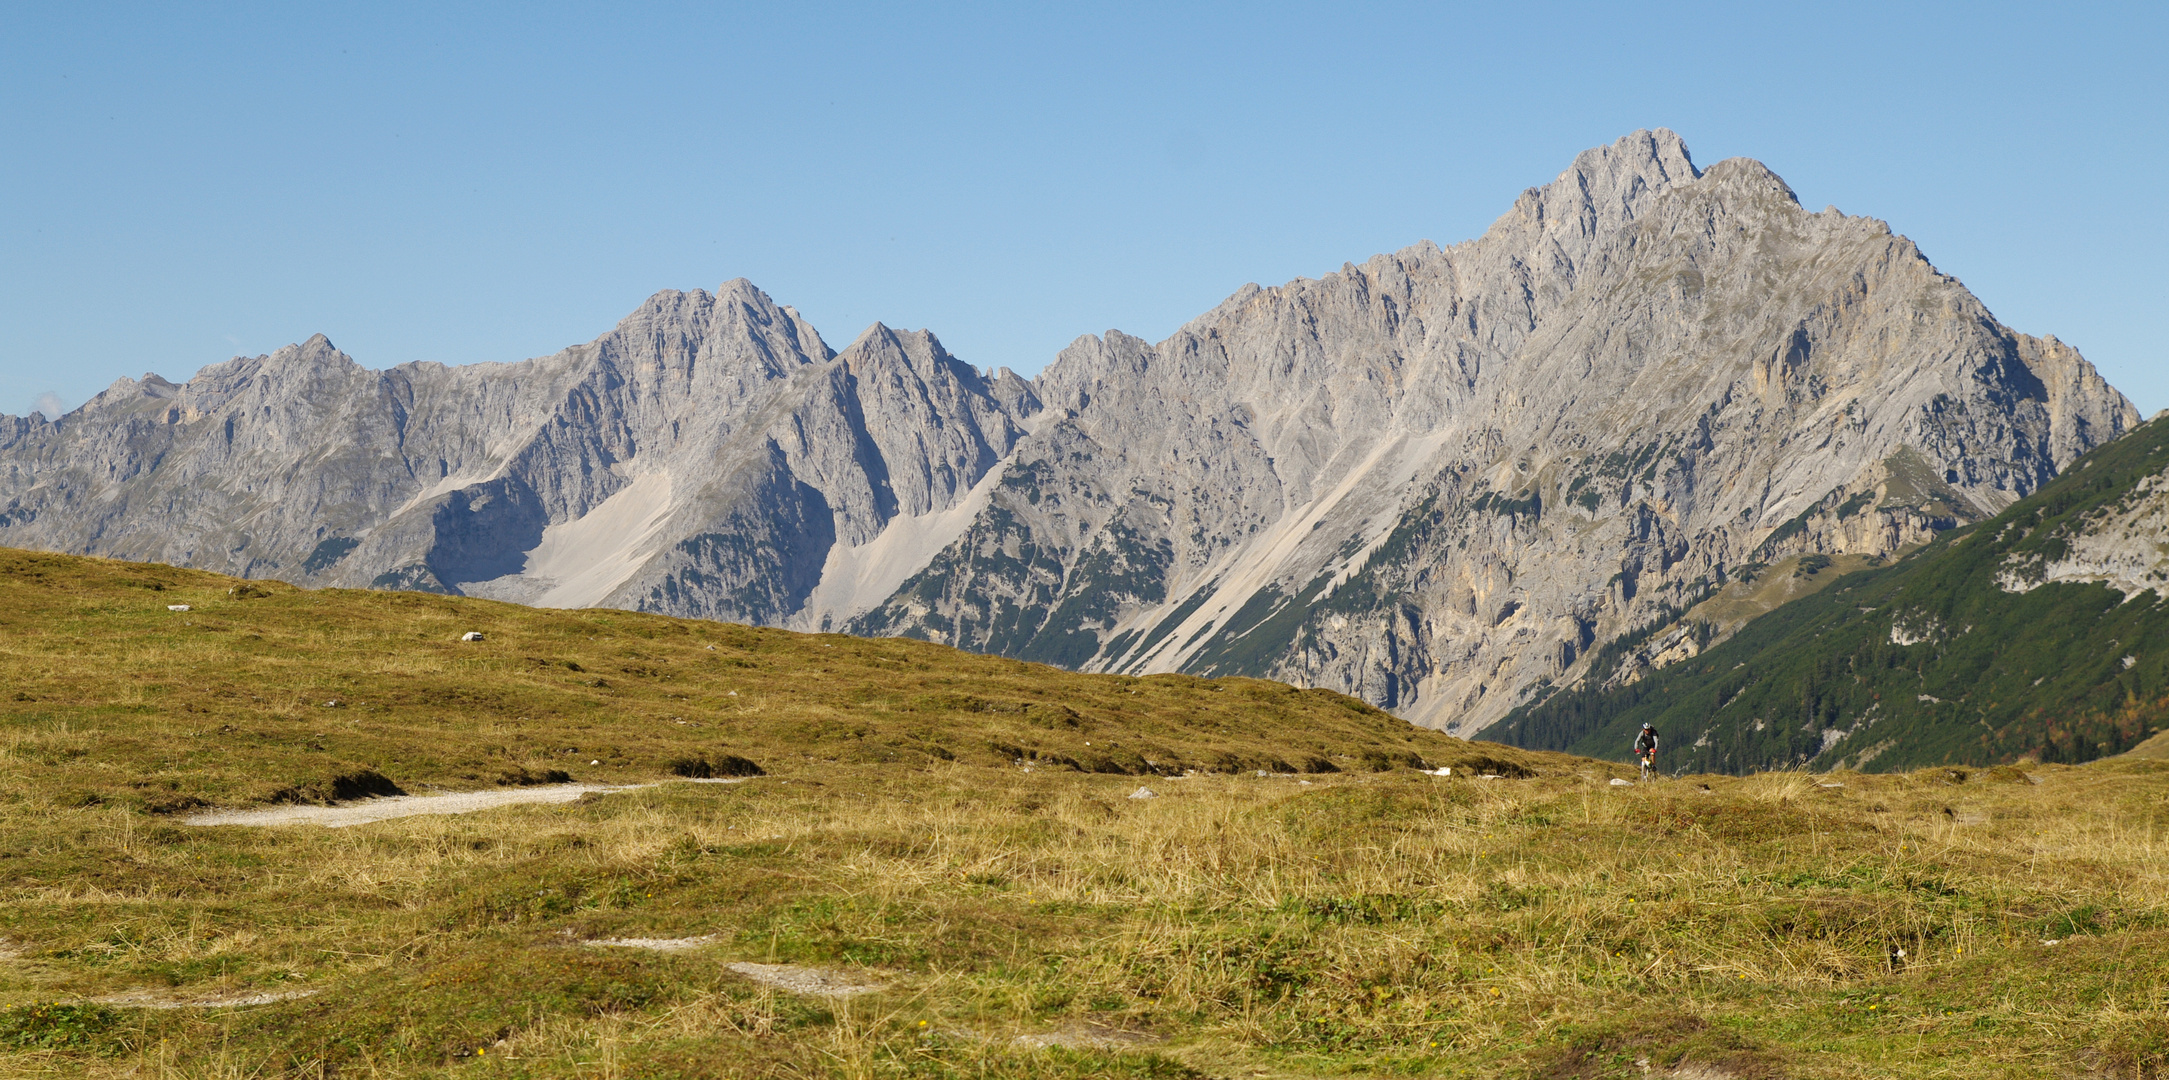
707, 701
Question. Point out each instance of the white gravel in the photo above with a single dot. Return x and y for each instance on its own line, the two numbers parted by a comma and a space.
810, 981
145, 999
655, 944
364, 811
1083, 1036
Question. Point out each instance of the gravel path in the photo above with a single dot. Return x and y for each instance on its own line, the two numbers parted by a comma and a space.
364, 811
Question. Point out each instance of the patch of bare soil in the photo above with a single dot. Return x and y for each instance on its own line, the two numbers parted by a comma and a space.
810, 981
364, 811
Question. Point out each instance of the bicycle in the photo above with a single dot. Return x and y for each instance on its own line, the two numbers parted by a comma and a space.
1648, 759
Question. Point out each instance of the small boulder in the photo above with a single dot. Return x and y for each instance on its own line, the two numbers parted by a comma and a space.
471, 635
1617, 782
176, 607
1144, 793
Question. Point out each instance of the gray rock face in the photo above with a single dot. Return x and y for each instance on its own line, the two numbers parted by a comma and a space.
1438, 480
701, 458
2124, 546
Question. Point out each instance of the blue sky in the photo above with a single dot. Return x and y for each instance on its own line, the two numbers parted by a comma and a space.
482, 182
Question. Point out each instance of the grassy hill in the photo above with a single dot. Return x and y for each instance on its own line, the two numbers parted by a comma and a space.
1020, 920
261, 692
1925, 661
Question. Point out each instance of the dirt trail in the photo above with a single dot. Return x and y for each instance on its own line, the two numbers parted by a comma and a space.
364, 811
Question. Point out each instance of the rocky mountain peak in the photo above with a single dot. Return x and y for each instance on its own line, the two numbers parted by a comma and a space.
1605, 188
1742, 175
1440, 479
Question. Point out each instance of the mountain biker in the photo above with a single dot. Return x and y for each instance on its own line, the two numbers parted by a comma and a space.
1645, 747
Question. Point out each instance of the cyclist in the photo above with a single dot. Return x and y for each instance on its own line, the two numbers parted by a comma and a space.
1645, 749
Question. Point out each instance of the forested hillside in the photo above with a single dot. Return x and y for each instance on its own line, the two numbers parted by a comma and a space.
2041, 632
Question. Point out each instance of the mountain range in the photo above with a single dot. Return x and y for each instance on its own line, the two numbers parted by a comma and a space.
1444, 480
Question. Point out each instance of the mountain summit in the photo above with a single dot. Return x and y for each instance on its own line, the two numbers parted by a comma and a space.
1437, 480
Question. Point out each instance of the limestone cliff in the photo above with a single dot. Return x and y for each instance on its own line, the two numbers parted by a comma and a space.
1437, 480
703, 458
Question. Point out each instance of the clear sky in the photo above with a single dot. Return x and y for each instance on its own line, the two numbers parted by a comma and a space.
183, 183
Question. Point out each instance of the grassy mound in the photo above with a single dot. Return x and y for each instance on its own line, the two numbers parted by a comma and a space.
260, 692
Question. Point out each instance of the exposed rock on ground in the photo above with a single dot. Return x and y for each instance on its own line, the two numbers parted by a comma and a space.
655, 944
1084, 1035
810, 981
152, 999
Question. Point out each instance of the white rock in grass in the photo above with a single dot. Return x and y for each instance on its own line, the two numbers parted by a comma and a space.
1144, 793
471, 635
811, 981
656, 944
176, 607
1617, 782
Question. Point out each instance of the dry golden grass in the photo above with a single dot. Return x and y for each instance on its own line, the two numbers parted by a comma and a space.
1356, 923
1396, 922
